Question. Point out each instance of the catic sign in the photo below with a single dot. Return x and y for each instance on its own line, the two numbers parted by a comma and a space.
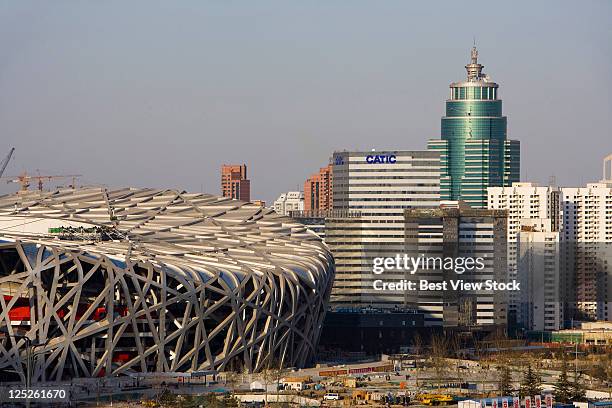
381, 158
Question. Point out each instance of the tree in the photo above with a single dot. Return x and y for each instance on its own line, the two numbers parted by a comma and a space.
505, 380
191, 401
417, 344
454, 346
417, 347
267, 376
531, 383
231, 379
439, 350
167, 399
500, 341
577, 389
209, 401
272, 372
563, 386
601, 369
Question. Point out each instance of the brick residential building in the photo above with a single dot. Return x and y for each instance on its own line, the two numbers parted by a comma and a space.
318, 191
234, 182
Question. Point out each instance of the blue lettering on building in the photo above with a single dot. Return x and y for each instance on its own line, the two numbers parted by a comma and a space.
381, 158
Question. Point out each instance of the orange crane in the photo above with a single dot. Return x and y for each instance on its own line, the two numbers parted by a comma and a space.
24, 179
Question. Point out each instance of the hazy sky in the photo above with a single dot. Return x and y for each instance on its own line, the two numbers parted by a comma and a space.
160, 94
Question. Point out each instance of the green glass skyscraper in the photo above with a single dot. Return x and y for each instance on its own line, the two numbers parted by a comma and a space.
474, 150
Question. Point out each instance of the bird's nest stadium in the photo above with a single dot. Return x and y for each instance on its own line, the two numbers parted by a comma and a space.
97, 282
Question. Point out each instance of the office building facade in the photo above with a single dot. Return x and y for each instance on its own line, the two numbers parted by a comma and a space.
234, 182
459, 232
475, 152
371, 191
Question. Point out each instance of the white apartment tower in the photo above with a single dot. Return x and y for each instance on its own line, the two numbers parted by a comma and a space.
586, 234
540, 303
524, 202
286, 203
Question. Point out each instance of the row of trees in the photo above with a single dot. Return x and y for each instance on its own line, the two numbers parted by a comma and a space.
442, 347
531, 384
167, 399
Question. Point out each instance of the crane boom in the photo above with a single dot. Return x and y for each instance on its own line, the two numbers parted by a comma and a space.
24, 179
6, 161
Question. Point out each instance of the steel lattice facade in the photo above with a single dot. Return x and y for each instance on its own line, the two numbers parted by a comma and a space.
137, 280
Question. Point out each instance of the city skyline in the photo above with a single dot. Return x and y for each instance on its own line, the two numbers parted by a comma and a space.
223, 86
282, 203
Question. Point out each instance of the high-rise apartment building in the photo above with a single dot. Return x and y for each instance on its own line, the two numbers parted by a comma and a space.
540, 300
318, 191
458, 233
371, 191
524, 202
474, 150
289, 202
234, 182
586, 236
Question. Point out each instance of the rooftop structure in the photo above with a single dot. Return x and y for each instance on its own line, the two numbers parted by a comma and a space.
607, 169
289, 202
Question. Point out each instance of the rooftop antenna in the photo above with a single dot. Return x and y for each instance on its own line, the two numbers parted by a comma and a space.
474, 69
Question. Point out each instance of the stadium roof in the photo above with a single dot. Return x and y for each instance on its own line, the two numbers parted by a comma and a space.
187, 230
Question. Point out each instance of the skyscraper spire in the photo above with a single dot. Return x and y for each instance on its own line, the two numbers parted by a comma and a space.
474, 69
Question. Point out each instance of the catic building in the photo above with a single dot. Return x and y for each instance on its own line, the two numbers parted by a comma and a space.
100, 283
371, 191
475, 152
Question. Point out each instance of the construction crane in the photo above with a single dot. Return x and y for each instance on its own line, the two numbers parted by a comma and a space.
6, 161
24, 179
